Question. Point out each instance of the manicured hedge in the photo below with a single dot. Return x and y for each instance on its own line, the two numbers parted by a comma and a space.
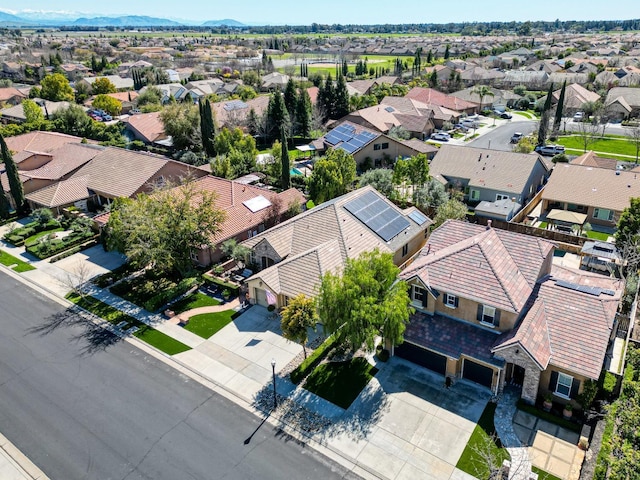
66, 254
312, 361
232, 287
47, 249
19, 235
162, 298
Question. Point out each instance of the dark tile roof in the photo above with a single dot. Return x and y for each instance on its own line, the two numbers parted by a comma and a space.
452, 338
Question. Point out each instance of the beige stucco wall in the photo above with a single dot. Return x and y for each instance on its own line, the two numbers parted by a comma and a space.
395, 150
545, 377
590, 211
468, 310
415, 244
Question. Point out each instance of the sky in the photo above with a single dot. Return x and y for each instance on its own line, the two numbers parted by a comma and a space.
301, 12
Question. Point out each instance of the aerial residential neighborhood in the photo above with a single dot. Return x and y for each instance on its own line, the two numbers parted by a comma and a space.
390, 249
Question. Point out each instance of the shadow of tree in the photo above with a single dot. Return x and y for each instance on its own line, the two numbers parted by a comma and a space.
95, 337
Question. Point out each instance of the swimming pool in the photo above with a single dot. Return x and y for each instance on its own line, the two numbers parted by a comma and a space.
295, 171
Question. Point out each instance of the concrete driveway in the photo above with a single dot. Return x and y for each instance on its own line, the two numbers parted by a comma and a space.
416, 427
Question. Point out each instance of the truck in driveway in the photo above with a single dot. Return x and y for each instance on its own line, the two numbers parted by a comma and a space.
549, 150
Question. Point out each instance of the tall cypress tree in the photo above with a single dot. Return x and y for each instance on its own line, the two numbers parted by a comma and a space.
291, 99
326, 98
277, 114
15, 185
544, 118
286, 173
303, 113
559, 108
341, 98
4, 204
207, 127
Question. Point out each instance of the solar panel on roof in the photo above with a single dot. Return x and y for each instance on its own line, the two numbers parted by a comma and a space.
389, 109
234, 105
417, 217
377, 215
356, 142
331, 139
369, 135
595, 291
347, 147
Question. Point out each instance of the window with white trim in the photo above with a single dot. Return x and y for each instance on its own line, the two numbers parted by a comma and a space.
488, 314
474, 194
450, 300
418, 295
563, 387
603, 214
501, 196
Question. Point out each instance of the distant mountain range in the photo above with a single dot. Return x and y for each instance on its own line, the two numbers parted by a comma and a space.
52, 19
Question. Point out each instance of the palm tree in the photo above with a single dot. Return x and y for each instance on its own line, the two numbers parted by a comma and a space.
482, 91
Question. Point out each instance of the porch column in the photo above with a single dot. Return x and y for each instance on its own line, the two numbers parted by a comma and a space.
530, 385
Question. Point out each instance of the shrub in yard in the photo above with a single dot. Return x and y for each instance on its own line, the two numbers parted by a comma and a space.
313, 360
162, 298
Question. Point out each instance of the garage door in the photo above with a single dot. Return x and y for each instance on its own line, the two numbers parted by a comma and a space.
261, 297
426, 358
477, 373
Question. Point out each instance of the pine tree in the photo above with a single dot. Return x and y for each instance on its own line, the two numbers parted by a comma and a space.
341, 99
277, 114
559, 108
303, 113
326, 96
429, 57
15, 185
286, 172
446, 52
290, 98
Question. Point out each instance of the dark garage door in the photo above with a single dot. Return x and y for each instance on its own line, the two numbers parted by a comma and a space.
477, 373
433, 361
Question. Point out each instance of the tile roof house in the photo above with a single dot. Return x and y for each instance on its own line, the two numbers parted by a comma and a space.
12, 96
590, 159
489, 175
148, 128
119, 82
492, 308
234, 113
409, 106
383, 117
15, 113
432, 96
295, 254
631, 96
599, 193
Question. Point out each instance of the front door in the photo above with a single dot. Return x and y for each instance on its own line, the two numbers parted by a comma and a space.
515, 375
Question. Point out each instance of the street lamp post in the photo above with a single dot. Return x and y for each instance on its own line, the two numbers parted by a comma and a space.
275, 397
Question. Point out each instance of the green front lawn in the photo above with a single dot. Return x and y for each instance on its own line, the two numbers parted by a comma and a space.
194, 300
483, 440
611, 145
32, 239
207, 324
341, 382
598, 236
150, 335
7, 260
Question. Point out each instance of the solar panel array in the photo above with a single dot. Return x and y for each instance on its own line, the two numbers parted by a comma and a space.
235, 105
344, 136
377, 215
596, 291
417, 217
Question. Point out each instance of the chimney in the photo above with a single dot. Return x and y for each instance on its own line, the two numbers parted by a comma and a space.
488, 224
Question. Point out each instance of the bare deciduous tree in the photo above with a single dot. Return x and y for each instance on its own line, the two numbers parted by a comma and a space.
76, 279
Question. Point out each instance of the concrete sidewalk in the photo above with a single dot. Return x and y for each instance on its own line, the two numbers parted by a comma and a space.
14, 465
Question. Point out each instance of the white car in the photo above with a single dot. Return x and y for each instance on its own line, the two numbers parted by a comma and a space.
441, 136
578, 117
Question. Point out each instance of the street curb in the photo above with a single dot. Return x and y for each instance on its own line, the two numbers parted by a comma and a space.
20, 461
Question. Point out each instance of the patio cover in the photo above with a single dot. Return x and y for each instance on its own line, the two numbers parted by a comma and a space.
557, 215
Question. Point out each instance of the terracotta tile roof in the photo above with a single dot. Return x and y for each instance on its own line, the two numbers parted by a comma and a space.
419, 146
492, 169
38, 141
236, 115
116, 172
590, 159
10, 92
451, 337
148, 126
429, 95
61, 193
230, 198
64, 160
124, 96
578, 324
479, 268
595, 187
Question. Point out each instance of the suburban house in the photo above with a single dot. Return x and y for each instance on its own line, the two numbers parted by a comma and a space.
234, 113
599, 195
432, 96
249, 211
590, 159
274, 81
148, 128
294, 255
384, 117
492, 308
624, 100
119, 82
498, 98
15, 113
367, 146
12, 95
437, 115
574, 97
489, 175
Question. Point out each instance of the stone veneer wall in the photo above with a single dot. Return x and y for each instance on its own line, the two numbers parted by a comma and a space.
531, 372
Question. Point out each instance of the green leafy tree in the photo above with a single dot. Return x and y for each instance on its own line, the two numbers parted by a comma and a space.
418, 170
240, 150
56, 87
181, 121
151, 95
628, 231
103, 86
379, 178
453, 209
430, 196
73, 121
284, 158
365, 301
33, 115
111, 105
297, 318
15, 184
221, 167
163, 228
332, 176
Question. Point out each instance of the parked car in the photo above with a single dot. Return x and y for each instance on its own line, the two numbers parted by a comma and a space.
135, 111
95, 117
578, 117
441, 136
461, 127
506, 115
549, 150
469, 123
516, 137
106, 117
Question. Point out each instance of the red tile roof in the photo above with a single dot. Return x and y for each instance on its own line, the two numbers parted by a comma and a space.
149, 126
38, 141
429, 95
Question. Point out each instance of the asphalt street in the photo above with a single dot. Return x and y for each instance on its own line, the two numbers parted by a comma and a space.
81, 404
499, 137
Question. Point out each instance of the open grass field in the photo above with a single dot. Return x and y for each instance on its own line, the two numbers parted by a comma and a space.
615, 146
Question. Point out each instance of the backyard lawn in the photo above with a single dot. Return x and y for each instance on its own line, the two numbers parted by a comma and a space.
20, 265
598, 236
150, 335
341, 382
195, 300
207, 324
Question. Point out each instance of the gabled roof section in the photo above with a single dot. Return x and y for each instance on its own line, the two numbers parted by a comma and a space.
479, 268
61, 193
38, 141
64, 160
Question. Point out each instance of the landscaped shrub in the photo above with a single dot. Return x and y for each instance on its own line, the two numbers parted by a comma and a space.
232, 287
65, 254
162, 298
49, 248
313, 360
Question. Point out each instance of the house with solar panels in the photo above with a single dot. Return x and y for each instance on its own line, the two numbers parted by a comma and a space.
492, 308
367, 146
294, 255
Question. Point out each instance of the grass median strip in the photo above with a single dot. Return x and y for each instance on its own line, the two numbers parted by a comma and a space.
18, 265
148, 334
